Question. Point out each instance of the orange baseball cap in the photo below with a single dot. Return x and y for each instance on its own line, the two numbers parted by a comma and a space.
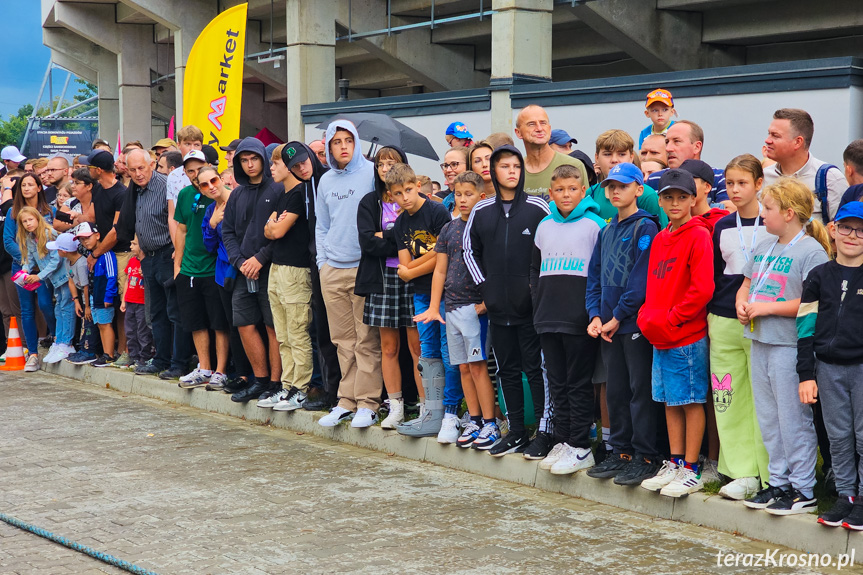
660, 95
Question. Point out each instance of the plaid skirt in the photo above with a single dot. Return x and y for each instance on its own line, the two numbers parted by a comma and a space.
394, 307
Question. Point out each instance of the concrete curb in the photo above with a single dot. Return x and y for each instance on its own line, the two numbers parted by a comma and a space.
800, 532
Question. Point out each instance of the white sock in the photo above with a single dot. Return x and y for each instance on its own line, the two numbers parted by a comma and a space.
606, 433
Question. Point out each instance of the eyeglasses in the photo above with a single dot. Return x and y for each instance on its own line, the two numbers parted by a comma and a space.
210, 184
845, 230
450, 166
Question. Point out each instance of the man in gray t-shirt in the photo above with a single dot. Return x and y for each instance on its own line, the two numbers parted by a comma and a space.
784, 283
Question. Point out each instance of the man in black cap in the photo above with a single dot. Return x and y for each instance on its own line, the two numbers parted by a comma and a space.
306, 167
230, 150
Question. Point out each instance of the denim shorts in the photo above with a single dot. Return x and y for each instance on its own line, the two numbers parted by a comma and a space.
101, 315
681, 374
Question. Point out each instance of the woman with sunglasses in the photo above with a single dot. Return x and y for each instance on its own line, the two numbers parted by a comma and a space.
28, 191
211, 185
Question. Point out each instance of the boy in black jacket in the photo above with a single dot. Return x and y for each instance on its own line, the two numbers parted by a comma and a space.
830, 350
498, 249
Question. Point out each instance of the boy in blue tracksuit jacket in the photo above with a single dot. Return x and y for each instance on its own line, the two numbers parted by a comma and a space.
616, 288
103, 287
558, 279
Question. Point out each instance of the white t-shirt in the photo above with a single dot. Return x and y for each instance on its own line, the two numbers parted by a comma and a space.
836, 183
177, 180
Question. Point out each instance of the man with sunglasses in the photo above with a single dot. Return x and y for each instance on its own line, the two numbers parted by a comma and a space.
195, 277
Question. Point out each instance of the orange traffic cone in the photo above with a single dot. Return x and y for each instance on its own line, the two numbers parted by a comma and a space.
14, 349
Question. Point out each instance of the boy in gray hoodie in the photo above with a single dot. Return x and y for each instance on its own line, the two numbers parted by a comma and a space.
338, 257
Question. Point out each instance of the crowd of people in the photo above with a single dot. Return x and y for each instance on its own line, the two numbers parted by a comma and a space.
638, 314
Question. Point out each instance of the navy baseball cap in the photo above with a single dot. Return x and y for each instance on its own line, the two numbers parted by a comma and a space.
561, 138
101, 159
850, 210
677, 179
625, 173
699, 169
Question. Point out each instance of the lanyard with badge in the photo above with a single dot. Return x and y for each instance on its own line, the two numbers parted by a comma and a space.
762, 275
748, 253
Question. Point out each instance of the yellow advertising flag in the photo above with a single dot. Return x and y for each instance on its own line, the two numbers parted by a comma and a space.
213, 85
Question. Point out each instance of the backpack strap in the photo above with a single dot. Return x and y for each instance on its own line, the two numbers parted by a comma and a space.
821, 190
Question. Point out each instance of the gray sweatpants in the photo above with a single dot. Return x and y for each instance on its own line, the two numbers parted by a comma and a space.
786, 424
840, 391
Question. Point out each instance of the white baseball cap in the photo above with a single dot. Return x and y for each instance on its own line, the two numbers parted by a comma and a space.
12, 153
65, 242
195, 155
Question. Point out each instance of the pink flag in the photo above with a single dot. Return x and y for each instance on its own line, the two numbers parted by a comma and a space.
117, 148
171, 129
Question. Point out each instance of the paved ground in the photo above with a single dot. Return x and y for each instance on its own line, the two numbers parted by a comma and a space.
175, 490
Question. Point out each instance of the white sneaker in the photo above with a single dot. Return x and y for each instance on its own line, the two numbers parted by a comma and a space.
365, 417
396, 415
335, 416
572, 459
273, 399
686, 482
33, 363
663, 477
741, 489
53, 354
553, 456
3, 357
195, 376
292, 401
449, 429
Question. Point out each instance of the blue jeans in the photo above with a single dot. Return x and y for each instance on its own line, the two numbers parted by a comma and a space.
64, 310
433, 345
28, 301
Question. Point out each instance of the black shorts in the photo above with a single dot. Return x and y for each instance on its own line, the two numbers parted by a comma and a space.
252, 308
200, 304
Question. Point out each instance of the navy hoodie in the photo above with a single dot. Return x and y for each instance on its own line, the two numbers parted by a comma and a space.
248, 209
498, 249
617, 281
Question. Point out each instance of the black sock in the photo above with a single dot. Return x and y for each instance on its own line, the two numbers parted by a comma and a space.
477, 420
492, 420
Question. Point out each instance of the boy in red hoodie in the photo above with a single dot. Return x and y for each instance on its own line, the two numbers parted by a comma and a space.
674, 319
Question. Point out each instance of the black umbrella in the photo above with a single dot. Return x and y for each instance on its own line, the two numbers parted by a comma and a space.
381, 130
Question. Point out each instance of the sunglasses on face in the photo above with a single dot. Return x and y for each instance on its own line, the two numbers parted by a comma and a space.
211, 183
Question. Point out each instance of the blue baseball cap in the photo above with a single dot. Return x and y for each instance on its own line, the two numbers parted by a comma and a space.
561, 138
459, 130
624, 173
850, 210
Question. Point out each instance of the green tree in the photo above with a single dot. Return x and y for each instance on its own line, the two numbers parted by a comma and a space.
85, 90
12, 129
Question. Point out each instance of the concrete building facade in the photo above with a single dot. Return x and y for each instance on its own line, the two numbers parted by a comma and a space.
431, 61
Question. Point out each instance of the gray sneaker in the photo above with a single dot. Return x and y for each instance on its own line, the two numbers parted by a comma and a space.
33, 363
292, 401
124, 361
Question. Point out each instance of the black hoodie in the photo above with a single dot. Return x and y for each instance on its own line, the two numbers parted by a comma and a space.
311, 187
370, 274
498, 249
248, 209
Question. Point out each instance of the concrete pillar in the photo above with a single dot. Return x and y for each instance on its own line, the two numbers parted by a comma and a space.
135, 50
68, 45
310, 58
520, 52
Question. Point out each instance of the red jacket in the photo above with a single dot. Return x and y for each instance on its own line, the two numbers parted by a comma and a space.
679, 286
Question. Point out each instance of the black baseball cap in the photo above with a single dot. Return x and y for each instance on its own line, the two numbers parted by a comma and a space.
677, 179
211, 154
700, 170
293, 153
101, 159
232, 146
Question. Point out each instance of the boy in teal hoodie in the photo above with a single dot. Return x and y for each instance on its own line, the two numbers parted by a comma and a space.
564, 244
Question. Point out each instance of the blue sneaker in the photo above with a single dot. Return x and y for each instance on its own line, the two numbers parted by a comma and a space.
81, 358
468, 435
488, 436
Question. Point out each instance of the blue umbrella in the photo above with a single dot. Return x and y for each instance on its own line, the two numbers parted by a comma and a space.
381, 130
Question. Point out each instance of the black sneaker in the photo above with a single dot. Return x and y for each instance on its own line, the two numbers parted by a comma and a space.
792, 503
602, 452
510, 443
105, 360
251, 392
637, 471
148, 368
172, 373
764, 497
540, 446
854, 521
837, 514
235, 385
611, 466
